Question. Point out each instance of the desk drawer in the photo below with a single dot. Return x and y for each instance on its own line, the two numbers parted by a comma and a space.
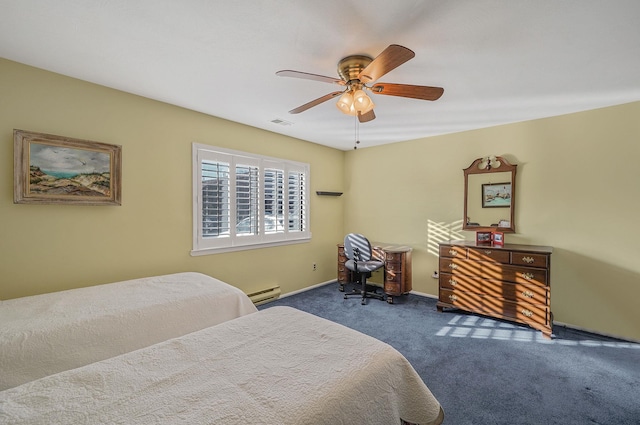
393, 276
393, 266
392, 288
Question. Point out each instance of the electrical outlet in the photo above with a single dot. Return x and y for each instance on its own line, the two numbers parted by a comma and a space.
315, 267
435, 275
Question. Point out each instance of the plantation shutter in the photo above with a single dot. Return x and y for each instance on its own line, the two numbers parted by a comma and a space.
215, 198
243, 200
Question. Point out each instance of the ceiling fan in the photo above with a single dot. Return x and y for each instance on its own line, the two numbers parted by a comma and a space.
359, 73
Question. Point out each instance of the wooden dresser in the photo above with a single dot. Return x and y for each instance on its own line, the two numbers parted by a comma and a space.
397, 268
510, 282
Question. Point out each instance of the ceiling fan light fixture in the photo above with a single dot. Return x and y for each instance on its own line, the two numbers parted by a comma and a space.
345, 103
361, 101
369, 107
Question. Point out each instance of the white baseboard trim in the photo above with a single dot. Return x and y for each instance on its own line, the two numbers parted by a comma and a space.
317, 285
308, 288
581, 329
424, 294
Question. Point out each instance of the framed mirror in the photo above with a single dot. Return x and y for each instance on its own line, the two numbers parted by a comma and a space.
489, 195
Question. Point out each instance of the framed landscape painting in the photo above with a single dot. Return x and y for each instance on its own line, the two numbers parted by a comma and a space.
52, 169
496, 195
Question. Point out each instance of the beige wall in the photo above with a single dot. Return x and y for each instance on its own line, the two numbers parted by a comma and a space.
45, 248
577, 191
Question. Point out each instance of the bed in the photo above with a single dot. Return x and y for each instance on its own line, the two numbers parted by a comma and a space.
49, 333
277, 366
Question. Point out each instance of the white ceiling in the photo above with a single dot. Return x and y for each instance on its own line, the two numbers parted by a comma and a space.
499, 61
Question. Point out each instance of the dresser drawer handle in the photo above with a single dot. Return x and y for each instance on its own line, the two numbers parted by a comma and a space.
526, 312
453, 298
453, 266
453, 282
527, 276
487, 252
527, 294
528, 260
453, 252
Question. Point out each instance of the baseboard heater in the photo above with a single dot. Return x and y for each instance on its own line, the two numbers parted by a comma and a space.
265, 295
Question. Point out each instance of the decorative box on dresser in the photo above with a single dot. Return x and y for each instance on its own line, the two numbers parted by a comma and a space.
397, 269
509, 281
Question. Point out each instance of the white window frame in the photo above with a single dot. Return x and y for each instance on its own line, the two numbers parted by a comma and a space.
230, 241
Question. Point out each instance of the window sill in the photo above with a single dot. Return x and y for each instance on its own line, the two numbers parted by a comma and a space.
210, 251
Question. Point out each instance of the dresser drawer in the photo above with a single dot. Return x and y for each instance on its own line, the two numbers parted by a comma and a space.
526, 313
461, 283
496, 289
530, 259
459, 266
453, 251
488, 254
515, 292
463, 300
516, 274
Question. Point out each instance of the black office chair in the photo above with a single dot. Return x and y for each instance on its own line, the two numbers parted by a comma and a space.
360, 260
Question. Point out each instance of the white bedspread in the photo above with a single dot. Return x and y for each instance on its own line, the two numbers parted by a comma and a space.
278, 366
45, 334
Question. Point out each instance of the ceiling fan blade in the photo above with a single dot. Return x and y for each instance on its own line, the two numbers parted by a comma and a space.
407, 90
390, 58
307, 76
315, 102
369, 116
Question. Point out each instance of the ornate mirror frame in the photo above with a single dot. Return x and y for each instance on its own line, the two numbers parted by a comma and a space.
480, 184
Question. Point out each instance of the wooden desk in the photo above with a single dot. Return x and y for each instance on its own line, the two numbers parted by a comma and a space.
397, 268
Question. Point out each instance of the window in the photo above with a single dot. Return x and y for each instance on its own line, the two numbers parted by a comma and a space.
243, 201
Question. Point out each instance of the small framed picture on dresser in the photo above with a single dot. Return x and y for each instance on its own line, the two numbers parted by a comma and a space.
497, 238
483, 238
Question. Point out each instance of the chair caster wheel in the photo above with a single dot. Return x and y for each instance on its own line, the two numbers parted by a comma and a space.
345, 296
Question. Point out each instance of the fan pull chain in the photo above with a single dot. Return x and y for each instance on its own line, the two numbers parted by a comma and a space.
357, 132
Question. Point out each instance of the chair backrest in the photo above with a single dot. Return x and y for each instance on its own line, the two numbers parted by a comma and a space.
355, 242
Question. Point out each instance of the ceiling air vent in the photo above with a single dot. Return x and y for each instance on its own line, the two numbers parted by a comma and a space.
282, 122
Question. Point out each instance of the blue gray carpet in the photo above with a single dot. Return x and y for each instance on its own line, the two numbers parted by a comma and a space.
486, 371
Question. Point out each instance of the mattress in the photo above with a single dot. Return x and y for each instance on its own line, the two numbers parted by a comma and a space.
278, 366
49, 333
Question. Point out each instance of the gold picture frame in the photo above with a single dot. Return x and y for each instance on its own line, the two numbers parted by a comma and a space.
52, 169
